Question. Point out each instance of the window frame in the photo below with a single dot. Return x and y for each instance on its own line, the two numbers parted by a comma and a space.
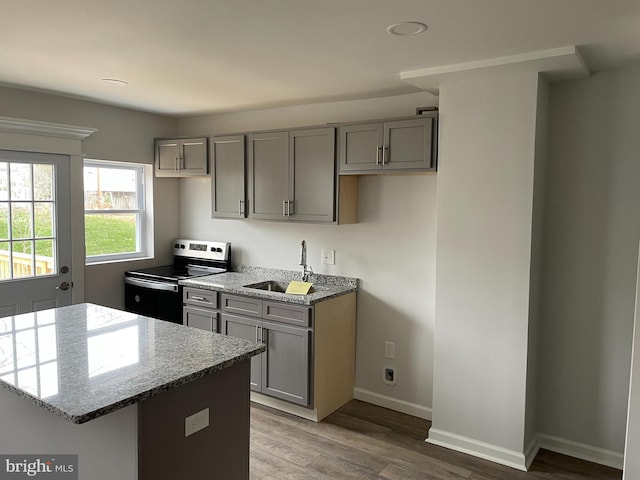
140, 212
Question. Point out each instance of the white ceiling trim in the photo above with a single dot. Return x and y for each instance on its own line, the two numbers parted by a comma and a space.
556, 63
46, 129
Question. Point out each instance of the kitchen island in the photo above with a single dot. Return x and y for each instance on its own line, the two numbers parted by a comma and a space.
120, 391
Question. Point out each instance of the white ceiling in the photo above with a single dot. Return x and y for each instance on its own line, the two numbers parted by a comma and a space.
185, 57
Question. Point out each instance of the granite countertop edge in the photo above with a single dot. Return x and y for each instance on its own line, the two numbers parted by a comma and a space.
328, 286
92, 415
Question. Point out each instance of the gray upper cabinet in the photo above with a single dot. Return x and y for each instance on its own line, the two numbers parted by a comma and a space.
268, 177
183, 157
228, 177
292, 175
312, 174
390, 146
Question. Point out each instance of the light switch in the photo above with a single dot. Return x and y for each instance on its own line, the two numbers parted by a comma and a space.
328, 257
389, 350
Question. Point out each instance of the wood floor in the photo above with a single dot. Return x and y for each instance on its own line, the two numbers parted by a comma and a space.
364, 441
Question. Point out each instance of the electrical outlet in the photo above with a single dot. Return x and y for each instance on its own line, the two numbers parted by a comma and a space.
196, 422
389, 376
328, 257
389, 350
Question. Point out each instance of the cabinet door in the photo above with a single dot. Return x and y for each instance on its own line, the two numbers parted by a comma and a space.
194, 157
227, 183
285, 364
200, 318
407, 144
247, 329
268, 175
167, 158
360, 147
312, 174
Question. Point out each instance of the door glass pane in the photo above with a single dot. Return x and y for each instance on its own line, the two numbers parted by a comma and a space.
22, 259
21, 220
45, 259
27, 220
5, 261
4, 181
43, 217
42, 182
4, 221
20, 181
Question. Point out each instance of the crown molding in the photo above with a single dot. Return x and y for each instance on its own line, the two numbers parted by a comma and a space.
32, 127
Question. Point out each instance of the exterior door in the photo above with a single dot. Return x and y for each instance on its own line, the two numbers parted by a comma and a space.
35, 232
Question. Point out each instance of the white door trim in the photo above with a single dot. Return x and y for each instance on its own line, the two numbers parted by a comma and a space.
24, 135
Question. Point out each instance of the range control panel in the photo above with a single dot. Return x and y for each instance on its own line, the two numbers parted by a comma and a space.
201, 249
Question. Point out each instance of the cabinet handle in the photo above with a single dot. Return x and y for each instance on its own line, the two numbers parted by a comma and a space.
289, 209
378, 152
257, 334
264, 334
385, 149
177, 159
284, 208
199, 299
241, 212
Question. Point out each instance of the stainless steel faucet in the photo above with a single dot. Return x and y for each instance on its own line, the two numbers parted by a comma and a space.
307, 271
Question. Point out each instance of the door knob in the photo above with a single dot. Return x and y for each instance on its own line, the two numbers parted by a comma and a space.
64, 286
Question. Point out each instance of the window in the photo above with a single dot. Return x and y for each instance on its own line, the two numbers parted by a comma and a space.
114, 210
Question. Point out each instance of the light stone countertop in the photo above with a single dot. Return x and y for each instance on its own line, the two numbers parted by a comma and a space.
84, 361
324, 287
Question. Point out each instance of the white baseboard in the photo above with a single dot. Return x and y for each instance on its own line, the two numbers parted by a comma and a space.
487, 451
581, 450
392, 403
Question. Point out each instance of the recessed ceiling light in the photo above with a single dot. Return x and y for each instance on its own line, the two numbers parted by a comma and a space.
406, 28
114, 81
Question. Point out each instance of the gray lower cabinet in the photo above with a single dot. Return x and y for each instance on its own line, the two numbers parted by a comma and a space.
181, 157
292, 175
389, 146
284, 370
247, 329
201, 318
310, 356
228, 197
200, 309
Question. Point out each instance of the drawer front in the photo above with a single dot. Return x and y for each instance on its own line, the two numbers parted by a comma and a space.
199, 296
287, 313
251, 307
200, 318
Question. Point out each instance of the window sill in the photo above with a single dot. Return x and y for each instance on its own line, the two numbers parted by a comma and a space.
117, 260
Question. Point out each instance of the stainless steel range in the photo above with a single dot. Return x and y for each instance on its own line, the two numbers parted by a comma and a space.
155, 292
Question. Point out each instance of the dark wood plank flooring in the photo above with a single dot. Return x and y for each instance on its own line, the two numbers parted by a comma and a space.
364, 441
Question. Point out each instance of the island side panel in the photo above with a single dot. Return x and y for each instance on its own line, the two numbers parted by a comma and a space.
106, 447
219, 451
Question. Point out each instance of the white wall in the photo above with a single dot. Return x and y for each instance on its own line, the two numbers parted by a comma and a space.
591, 238
483, 259
539, 181
391, 249
124, 135
632, 443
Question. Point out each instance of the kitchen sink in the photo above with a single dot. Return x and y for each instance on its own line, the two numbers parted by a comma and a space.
269, 286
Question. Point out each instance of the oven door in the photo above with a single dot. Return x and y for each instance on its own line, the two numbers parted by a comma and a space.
156, 299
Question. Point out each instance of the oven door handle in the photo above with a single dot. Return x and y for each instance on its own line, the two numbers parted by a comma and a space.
151, 285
